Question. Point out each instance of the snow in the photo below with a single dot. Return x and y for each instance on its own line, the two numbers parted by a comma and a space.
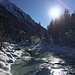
16, 11
59, 72
7, 57
62, 51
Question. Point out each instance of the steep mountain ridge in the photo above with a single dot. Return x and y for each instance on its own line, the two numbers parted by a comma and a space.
17, 25
16, 11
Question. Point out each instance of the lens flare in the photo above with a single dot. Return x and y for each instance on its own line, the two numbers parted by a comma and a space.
65, 5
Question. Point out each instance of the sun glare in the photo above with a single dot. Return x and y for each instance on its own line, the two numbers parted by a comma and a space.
55, 13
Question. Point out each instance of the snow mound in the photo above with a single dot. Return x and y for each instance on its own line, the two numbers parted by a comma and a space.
8, 56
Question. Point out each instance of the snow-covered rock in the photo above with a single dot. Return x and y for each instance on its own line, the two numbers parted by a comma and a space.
7, 57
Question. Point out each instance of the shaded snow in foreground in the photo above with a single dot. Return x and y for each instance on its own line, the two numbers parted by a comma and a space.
8, 55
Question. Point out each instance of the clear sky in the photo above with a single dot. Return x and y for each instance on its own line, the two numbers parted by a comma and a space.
39, 9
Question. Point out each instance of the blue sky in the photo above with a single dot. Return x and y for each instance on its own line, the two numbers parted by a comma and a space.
39, 9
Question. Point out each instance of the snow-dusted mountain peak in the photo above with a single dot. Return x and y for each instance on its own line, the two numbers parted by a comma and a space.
16, 11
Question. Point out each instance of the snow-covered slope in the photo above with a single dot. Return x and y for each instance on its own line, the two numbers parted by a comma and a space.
16, 11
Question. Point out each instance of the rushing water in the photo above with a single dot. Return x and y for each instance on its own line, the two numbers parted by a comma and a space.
43, 63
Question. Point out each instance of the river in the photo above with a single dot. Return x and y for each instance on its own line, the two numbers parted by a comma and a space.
38, 62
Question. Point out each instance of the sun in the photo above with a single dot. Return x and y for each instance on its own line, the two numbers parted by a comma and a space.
55, 12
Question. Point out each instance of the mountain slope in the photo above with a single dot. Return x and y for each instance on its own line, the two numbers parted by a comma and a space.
16, 11
17, 25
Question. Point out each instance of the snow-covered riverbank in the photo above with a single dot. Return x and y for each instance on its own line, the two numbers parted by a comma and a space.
8, 55
62, 51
